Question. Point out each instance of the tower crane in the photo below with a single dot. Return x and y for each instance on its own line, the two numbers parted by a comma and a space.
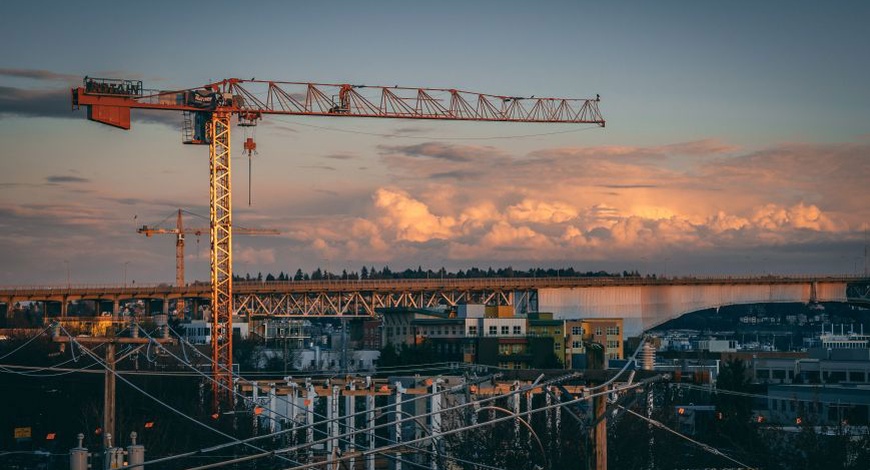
207, 113
179, 231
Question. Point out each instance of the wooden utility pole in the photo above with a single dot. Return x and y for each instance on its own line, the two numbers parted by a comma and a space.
92, 342
600, 433
109, 392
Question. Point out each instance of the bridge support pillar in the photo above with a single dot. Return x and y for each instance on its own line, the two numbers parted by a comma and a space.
165, 306
64, 305
116, 307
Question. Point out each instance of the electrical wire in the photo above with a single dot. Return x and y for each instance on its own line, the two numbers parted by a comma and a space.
165, 405
705, 447
9, 368
756, 395
478, 425
25, 343
381, 450
326, 421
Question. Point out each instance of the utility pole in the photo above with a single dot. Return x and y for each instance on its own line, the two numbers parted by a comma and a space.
109, 392
93, 342
600, 432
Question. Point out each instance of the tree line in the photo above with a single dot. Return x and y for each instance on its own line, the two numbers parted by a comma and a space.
386, 273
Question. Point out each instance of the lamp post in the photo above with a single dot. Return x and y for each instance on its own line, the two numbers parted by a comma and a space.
66, 262
125, 273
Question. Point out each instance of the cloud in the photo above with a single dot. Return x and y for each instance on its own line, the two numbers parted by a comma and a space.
505, 236
530, 210
699, 148
39, 75
35, 103
340, 156
56, 103
319, 167
253, 256
66, 179
409, 218
411, 130
799, 216
443, 151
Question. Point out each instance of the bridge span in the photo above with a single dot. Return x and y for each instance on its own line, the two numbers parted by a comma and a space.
642, 302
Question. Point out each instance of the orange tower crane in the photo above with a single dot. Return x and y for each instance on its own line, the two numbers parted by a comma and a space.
179, 231
208, 110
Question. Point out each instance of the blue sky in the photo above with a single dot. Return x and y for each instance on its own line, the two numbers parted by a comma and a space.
737, 137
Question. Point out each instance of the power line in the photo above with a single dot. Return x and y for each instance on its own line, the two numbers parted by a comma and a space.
705, 447
25, 343
757, 395
328, 420
479, 425
162, 403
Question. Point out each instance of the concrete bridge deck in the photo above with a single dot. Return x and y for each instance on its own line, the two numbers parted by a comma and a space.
643, 302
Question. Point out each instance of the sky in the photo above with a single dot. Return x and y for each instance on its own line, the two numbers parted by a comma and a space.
737, 138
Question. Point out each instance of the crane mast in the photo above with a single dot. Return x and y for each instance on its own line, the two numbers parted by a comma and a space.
208, 111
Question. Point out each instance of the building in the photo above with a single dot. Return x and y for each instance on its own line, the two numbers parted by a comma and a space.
828, 405
542, 325
579, 334
606, 332
288, 332
199, 331
717, 345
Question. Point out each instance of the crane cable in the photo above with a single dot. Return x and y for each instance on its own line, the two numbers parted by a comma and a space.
401, 136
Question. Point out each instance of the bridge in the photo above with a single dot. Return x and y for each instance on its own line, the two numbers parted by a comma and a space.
644, 302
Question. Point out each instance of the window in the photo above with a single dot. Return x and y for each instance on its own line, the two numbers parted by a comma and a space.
557, 346
505, 329
576, 345
389, 331
598, 331
493, 330
576, 330
518, 330
472, 330
612, 330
